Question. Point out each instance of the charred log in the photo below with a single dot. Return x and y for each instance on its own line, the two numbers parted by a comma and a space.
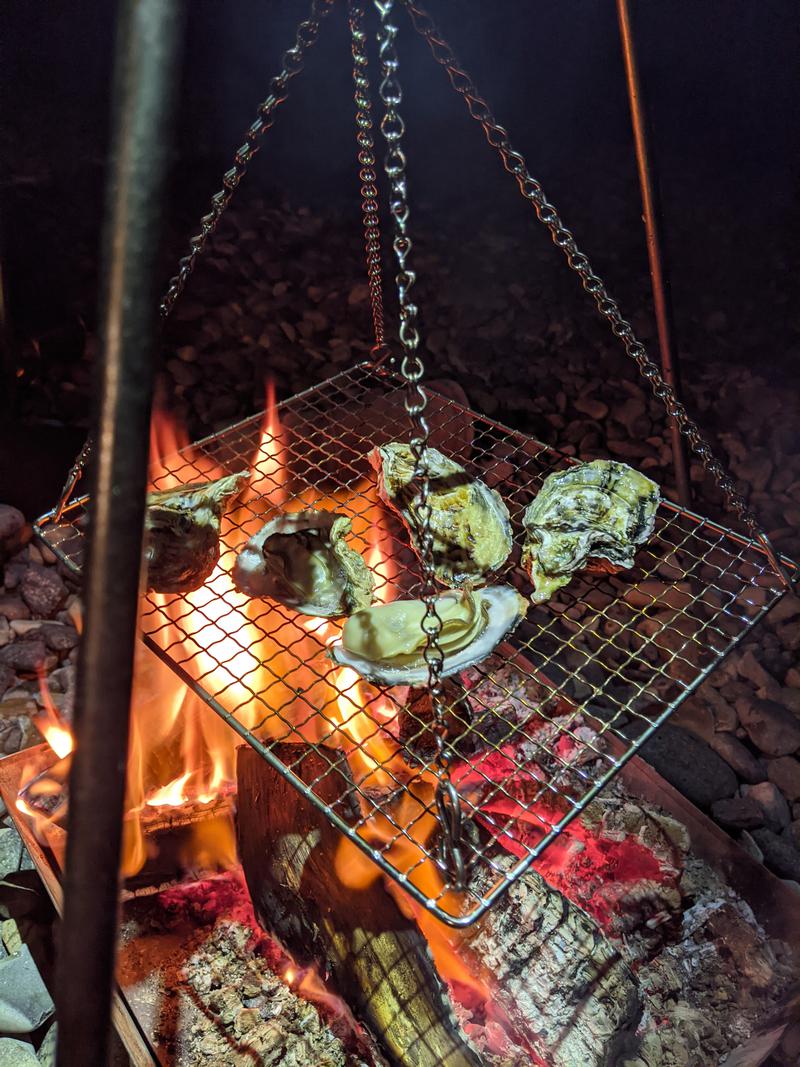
561, 982
378, 958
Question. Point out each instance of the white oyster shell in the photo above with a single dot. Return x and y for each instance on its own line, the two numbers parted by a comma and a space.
469, 521
302, 561
592, 511
385, 643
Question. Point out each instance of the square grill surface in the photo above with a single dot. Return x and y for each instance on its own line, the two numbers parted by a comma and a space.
536, 730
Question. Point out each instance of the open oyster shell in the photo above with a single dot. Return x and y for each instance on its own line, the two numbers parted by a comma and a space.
302, 561
600, 511
182, 528
385, 643
469, 521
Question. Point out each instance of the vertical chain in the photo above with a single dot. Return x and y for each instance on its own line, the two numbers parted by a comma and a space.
412, 369
514, 162
367, 172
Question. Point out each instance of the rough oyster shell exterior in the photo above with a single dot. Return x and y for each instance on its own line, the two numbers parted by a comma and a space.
592, 511
182, 528
469, 521
303, 561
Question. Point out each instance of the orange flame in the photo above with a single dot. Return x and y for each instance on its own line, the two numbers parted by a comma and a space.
50, 725
182, 753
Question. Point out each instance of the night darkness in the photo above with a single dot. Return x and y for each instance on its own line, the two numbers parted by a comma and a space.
718, 79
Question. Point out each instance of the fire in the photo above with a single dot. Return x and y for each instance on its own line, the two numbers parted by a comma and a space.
50, 725
262, 663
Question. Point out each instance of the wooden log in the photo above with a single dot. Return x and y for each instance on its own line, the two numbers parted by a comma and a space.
379, 959
563, 985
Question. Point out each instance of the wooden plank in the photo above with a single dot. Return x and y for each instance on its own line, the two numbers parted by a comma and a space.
47, 863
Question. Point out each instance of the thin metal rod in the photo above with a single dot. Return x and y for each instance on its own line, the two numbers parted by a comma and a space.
147, 42
655, 255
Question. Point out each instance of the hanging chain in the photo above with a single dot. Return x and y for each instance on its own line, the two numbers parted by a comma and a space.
292, 63
412, 369
367, 174
515, 164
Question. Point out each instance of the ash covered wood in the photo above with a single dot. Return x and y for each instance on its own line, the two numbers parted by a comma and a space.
380, 960
564, 986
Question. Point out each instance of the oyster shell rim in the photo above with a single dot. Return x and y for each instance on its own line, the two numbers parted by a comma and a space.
344, 555
445, 572
380, 674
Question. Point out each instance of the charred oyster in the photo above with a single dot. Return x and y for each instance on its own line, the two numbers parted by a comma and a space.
469, 521
385, 643
303, 561
596, 513
182, 532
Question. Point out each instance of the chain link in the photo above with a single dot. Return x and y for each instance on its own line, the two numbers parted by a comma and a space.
292, 63
367, 173
515, 164
412, 369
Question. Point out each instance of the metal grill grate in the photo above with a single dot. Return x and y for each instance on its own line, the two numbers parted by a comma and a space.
536, 730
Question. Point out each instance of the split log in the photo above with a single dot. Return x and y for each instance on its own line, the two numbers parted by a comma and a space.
560, 981
379, 960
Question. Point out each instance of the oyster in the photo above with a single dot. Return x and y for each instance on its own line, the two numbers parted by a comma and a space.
181, 531
385, 643
302, 561
469, 521
599, 511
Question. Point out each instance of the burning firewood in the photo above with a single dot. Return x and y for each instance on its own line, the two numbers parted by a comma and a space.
378, 958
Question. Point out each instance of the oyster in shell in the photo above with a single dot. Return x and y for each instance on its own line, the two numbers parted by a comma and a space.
385, 643
596, 513
181, 530
303, 561
469, 521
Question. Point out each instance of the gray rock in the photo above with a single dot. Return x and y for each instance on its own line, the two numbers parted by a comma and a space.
46, 1052
7, 677
58, 637
24, 655
751, 669
772, 803
779, 854
24, 1001
14, 1053
750, 847
690, 765
738, 813
10, 850
792, 834
771, 728
42, 589
785, 773
749, 767
13, 608
11, 522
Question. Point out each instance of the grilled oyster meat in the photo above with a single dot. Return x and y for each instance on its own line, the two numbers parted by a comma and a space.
593, 513
303, 561
386, 643
469, 521
182, 527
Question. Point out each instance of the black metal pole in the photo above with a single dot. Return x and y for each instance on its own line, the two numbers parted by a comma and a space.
651, 214
145, 67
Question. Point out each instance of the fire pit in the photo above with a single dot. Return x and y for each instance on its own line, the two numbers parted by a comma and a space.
621, 944
627, 648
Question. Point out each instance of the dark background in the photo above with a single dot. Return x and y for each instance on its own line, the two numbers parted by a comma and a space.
719, 78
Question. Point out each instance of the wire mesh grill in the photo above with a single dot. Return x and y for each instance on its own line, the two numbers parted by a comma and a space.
536, 730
